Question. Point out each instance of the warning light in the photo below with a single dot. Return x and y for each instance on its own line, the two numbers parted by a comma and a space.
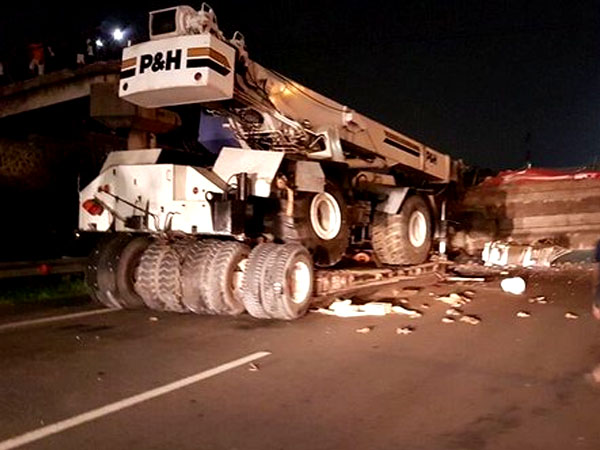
93, 207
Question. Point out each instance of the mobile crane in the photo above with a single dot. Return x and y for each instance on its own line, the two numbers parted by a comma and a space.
298, 179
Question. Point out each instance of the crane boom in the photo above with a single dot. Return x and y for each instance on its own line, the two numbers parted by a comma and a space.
188, 60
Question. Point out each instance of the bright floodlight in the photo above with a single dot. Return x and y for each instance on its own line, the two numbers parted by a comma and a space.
118, 34
99, 43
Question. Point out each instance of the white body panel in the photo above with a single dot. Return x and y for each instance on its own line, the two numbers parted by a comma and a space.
166, 190
261, 167
186, 69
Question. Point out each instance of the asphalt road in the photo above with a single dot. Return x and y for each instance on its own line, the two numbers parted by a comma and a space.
506, 383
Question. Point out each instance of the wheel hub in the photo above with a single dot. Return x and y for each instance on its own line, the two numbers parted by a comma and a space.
325, 216
417, 229
299, 282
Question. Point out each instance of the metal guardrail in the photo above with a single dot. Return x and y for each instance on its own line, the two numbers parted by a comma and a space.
41, 268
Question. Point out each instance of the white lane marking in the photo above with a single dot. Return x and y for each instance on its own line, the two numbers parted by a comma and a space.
63, 425
25, 323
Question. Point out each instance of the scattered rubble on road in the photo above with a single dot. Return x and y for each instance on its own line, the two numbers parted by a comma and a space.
455, 300
448, 319
253, 367
345, 308
471, 320
454, 312
413, 314
540, 299
570, 315
498, 253
405, 330
514, 285
425, 306
365, 330
523, 314
153, 319
465, 279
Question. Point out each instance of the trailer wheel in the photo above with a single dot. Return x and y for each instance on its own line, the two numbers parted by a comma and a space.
158, 278
225, 278
403, 238
193, 275
128, 262
183, 246
252, 282
100, 273
320, 223
288, 284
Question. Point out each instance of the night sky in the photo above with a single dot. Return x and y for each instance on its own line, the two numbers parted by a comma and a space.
486, 81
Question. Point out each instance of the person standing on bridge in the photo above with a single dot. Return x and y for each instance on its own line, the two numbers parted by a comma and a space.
36, 59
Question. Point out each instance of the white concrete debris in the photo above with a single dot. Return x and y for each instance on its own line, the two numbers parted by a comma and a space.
539, 299
406, 311
153, 319
448, 320
425, 306
364, 330
455, 300
404, 330
468, 294
471, 320
523, 314
454, 312
253, 367
465, 279
570, 315
514, 285
498, 253
345, 308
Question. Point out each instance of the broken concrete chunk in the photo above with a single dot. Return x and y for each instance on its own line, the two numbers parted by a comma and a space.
153, 319
465, 279
471, 320
448, 320
425, 306
570, 315
523, 314
405, 330
253, 367
515, 285
455, 300
406, 311
540, 299
453, 312
364, 330
468, 294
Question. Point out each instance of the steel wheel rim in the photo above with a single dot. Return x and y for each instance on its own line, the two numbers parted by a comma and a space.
299, 282
325, 216
417, 229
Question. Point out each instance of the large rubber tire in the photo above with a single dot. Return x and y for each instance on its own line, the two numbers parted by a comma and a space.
225, 276
128, 262
158, 278
183, 246
194, 272
251, 285
101, 269
403, 238
303, 227
287, 286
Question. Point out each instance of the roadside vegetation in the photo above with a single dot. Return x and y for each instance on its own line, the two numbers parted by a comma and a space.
53, 289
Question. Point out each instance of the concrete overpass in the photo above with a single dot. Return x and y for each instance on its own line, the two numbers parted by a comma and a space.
99, 83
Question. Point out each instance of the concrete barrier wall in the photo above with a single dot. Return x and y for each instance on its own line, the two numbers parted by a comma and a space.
567, 212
